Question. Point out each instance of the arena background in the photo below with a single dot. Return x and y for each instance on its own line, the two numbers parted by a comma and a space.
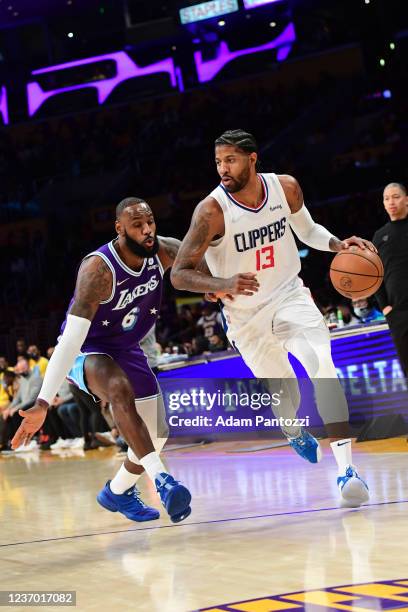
103, 99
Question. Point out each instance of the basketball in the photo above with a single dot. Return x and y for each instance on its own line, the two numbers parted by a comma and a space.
356, 273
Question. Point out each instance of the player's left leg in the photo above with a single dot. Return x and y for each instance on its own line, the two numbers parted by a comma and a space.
153, 414
174, 496
300, 325
103, 377
267, 359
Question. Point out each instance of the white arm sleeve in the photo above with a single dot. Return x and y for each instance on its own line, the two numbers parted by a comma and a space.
309, 232
63, 357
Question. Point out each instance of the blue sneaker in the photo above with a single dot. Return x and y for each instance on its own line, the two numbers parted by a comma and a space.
128, 503
175, 497
353, 489
306, 446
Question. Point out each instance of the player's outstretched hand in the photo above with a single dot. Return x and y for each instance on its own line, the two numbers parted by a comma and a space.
33, 418
360, 242
242, 284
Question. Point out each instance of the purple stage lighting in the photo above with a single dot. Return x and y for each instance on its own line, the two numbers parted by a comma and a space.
3, 105
207, 70
126, 68
250, 4
179, 77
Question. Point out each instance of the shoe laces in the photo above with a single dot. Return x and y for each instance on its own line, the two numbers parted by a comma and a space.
161, 484
134, 494
350, 472
303, 440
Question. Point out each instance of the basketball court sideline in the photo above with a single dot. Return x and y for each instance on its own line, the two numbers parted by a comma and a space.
263, 524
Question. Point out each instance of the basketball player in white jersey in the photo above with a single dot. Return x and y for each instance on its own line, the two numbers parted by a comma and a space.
244, 229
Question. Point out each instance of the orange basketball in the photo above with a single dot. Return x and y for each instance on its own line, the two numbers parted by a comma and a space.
356, 273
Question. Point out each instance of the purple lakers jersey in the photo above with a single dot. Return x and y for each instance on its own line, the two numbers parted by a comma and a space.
132, 308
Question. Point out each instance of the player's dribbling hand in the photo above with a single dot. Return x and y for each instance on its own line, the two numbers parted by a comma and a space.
242, 284
33, 418
359, 242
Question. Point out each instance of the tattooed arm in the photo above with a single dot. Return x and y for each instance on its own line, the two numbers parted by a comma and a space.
94, 284
207, 224
168, 250
309, 232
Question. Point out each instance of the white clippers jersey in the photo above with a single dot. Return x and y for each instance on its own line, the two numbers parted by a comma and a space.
256, 240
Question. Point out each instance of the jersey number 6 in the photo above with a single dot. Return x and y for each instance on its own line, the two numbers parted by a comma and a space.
264, 258
129, 320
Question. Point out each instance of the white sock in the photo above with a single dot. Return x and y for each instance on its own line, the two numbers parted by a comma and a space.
342, 453
153, 465
123, 480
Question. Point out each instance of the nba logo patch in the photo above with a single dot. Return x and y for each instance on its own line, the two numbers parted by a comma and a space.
151, 265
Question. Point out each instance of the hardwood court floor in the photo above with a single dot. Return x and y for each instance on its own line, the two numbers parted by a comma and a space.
263, 523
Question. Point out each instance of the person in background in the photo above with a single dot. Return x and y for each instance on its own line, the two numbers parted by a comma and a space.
37, 363
67, 411
392, 244
29, 387
339, 316
6, 397
149, 346
110, 435
210, 322
91, 419
199, 345
21, 348
216, 344
366, 311
188, 348
345, 313
186, 323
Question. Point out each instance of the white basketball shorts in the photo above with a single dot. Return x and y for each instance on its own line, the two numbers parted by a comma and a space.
262, 334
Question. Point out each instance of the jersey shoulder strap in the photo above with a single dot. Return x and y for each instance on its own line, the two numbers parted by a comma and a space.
277, 196
219, 194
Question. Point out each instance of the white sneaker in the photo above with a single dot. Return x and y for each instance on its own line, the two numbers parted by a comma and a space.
60, 443
26, 448
353, 489
77, 443
105, 438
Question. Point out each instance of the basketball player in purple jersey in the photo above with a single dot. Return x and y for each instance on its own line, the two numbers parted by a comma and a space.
116, 302
245, 227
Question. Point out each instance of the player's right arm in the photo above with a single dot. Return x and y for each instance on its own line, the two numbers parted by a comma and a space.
207, 224
94, 284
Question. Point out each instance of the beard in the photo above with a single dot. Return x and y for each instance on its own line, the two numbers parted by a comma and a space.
239, 183
140, 249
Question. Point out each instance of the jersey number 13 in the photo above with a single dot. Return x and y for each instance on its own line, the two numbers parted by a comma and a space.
264, 258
